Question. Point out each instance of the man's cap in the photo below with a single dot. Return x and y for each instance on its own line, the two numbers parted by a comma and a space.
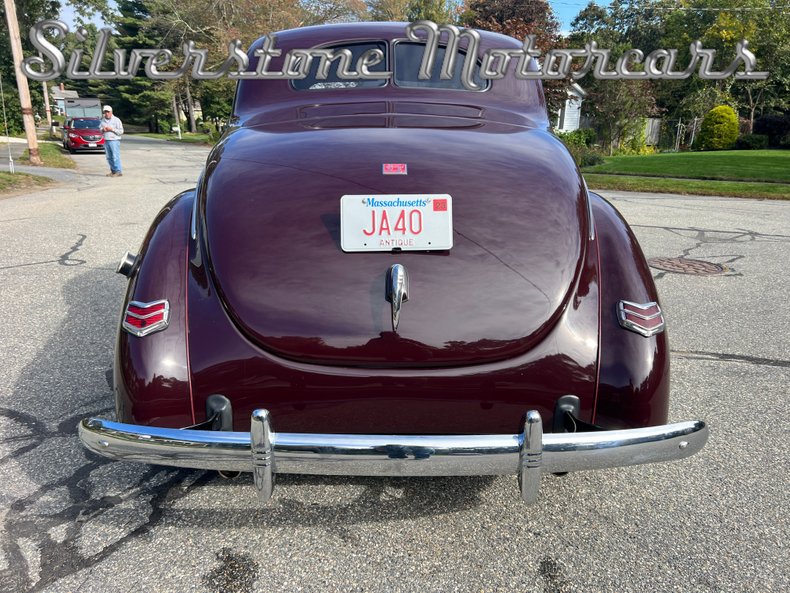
106, 108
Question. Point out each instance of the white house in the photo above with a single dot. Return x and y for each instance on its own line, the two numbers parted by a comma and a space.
569, 117
58, 96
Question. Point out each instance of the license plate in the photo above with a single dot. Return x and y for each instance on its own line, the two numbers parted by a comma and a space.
406, 222
91, 145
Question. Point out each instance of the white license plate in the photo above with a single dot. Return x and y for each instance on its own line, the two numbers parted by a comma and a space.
407, 222
91, 145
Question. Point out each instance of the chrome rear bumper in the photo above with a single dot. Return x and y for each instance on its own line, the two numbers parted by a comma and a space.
266, 453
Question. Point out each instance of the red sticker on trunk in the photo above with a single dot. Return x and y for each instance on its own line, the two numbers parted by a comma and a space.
439, 205
394, 169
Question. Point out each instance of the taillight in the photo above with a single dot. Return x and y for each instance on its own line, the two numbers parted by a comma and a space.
643, 318
141, 319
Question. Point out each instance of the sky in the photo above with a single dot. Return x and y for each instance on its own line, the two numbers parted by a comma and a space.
565, 11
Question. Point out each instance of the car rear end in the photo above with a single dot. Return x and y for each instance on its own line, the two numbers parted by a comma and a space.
84, 135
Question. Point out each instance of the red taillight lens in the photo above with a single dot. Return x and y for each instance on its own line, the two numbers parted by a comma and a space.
141, 319
643, 318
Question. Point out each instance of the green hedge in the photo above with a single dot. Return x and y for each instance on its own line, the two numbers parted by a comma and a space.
579, 144
752, 142
580, 137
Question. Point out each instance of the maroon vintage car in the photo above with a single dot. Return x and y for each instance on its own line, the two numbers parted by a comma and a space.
391, 276
82, 133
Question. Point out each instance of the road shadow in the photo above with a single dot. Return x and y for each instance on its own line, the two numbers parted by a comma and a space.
75, 508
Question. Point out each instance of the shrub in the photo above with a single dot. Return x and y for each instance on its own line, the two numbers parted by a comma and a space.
584, 156
636, 144
719, 129
752, 142
580, 137
589, 158
579, 144
776, 127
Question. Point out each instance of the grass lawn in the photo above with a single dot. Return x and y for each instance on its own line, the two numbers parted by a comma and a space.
700, 187
187, 137
730, 165
53, 155
14, 182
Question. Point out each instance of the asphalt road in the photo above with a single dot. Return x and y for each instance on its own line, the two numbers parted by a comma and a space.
73, 522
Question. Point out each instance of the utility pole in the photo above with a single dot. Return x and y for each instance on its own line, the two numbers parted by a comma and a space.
21, 83
46, 105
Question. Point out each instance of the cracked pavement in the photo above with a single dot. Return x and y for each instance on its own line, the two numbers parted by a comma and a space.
74, 522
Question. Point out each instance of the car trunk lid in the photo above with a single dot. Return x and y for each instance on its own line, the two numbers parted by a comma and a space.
272, 221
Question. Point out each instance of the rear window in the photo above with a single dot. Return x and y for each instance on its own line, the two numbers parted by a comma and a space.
408, 58
333, 81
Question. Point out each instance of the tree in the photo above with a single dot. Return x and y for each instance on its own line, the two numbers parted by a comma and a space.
316, 12
518, 19
439, 11
389, 10
216, 98
29, 12
765, 24
618, 107
140, 100
652, 24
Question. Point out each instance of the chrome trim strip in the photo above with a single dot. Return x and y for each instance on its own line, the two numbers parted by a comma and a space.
194, 221
589, 210
136, 316
144, 331
640, 316
642, 306
265, 452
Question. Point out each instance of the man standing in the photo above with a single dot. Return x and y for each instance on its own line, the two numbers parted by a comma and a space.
113, 129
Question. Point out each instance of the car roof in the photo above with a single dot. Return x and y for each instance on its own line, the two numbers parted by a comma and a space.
524, 97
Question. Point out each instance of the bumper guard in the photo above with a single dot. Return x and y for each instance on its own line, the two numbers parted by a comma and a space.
266, 453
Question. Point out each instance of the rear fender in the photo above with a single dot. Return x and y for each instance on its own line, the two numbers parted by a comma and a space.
633, 385
151, 375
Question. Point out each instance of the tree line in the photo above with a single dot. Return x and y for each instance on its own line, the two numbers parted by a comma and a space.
616, 106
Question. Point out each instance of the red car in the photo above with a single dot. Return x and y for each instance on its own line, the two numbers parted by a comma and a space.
82, 133
386, 277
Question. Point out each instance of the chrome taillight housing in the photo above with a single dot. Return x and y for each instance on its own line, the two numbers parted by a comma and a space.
141, 319
645, 319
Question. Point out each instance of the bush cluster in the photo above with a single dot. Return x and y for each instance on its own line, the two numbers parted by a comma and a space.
719, 129
580, 137
636, 144
580, 145
752, 142
776, 127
